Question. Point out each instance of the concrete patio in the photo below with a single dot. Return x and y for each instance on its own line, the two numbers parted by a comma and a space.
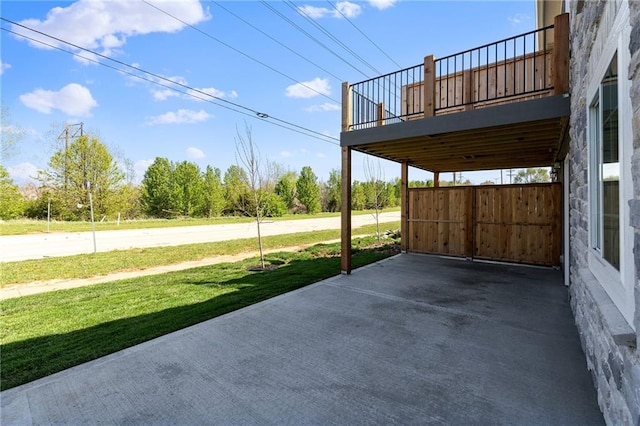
410, 340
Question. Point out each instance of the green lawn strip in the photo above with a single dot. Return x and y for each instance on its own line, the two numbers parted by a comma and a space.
49, 332
23, 226
89, 265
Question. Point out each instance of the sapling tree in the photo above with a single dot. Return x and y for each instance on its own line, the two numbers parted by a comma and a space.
248, 158
375, 178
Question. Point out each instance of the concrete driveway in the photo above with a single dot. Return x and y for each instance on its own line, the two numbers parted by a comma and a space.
410, 340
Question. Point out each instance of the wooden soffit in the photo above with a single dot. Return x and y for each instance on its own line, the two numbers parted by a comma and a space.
517, 135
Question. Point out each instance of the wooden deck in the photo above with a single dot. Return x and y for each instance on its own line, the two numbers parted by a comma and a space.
498, 108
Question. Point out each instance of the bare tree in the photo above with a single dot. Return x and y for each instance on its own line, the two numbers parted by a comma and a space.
10, 136
248, 157
375, 178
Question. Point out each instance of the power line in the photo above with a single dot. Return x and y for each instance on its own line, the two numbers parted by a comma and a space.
190, 91
362, 32
331, 36
303, 31
240, 51
276, 40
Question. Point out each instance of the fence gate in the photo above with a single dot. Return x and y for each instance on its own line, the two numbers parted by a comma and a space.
515, 223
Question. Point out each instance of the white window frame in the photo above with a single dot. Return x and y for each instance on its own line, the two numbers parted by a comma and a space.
617, 284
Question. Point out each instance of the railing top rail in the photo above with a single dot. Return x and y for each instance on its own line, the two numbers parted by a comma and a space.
385, 75
496, 42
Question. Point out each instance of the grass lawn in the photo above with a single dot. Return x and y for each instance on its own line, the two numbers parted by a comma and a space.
49, 332
88, 265
26, 226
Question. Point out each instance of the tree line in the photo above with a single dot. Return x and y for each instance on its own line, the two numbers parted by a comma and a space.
174, 189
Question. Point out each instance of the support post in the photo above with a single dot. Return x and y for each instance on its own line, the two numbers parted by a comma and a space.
345, 212
467, 92
436, 179
346, 107
561, 54
429, 91
404, 207
380, 114
470, 200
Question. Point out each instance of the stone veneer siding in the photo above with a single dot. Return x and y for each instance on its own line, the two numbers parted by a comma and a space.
615, 368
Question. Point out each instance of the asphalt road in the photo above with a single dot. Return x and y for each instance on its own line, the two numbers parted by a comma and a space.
38, 246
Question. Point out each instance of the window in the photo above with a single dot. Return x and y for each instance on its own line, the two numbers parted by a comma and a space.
605, 168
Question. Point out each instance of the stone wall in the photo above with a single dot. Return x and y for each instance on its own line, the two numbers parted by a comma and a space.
615, 367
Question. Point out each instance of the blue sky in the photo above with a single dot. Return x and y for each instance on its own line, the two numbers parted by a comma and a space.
220, 54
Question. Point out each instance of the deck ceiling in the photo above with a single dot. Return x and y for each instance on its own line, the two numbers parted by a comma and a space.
513, 146
489, 141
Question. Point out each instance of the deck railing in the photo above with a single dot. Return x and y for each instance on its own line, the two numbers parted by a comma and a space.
516, 66
528, 65
381, 98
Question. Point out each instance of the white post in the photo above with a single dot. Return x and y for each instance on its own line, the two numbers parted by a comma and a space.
93, 223
49, 215
118, 218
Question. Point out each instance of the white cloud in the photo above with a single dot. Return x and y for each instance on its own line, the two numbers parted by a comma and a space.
4, 66
314, 12
73, 99
382, 4
163, 94
179, 117
196, 94
104, 25
23, 173
321, 155
140, 167
348, 9
327, 106
285, 154
518, 18
195, 153
345, 8
309, 89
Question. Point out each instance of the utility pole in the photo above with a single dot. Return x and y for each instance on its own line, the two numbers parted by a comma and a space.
71, 131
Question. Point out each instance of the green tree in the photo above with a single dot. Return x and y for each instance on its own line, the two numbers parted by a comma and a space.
532, 175
236, 188
273, 205
187, 189
12, 203
358, 198
86, 164
156, 188
213, 197
308, 190
423, 183
286, 189
390, 195
46, 203
130, 197
334, 191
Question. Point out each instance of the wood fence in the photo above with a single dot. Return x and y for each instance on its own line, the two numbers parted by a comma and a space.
515, 223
